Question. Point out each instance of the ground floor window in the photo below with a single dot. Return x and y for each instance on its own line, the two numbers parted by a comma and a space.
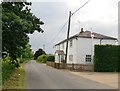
70, 57
88, 58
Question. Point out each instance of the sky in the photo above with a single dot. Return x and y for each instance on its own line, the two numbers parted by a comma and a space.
100, 16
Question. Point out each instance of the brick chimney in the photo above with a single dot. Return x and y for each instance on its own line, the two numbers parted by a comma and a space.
81, 30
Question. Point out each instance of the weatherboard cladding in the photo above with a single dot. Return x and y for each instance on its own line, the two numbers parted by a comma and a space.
87, 34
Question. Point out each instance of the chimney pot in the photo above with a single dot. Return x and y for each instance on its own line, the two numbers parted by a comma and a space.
81, 30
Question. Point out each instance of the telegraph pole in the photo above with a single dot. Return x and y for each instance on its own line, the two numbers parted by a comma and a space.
68, 36
71, 14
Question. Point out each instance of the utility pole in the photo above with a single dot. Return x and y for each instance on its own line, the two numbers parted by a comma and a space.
68, 36
71, 14
119, 23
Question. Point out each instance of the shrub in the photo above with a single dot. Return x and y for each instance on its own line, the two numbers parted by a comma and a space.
106, 58
51, 58
42, 58
7, 69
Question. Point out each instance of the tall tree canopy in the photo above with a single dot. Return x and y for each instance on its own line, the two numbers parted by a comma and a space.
38, 53
17, 22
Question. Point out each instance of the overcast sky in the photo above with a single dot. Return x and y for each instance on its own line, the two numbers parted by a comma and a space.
99, 16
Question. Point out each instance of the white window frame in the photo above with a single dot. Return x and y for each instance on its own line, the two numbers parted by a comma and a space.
71, 43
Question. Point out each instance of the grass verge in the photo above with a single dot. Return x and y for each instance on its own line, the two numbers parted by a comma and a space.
16, 80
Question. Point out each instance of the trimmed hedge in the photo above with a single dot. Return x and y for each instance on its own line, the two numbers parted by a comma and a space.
107, 58
51, 58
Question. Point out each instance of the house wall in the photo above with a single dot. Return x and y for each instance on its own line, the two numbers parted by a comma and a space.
86, 47
80, 48
60, 47
56, 58
72, 51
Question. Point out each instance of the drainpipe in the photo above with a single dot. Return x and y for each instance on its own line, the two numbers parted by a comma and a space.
101, 41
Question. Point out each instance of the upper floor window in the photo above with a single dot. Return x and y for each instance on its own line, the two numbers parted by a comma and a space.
71, 43
58, 47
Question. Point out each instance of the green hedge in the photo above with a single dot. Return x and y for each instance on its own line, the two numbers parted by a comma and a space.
51, 58
107, 58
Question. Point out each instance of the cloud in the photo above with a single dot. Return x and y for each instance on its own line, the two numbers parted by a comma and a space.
98, 15
54, 16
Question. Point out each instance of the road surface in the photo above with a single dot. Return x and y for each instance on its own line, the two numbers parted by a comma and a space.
40, 76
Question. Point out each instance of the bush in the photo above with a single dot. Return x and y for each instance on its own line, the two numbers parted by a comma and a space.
42, 58
7, 69
106, 58
51, 58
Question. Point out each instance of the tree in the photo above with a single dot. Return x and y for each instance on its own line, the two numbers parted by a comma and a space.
38, 53
17, 22
27, 52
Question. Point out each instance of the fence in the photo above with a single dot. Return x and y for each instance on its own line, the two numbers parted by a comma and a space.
72, 67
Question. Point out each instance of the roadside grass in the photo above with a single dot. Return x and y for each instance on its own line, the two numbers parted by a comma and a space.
16, 80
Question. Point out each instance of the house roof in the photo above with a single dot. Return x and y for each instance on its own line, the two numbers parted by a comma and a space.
87, 34
61, 52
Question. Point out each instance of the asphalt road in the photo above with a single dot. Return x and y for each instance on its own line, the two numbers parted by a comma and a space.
40, 76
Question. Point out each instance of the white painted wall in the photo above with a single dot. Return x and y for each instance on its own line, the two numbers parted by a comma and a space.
80, 48
72, 51
56, 58
86, 47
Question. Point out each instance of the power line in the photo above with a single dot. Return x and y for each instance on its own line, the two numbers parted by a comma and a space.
57, 33
65, 24
80, 7
70, 15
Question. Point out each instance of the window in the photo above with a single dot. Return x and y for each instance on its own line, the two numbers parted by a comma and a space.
70, 57
88, 58
57, 47
71, 43
62, 45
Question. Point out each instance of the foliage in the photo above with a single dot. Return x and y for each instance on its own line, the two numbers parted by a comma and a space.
42, 58
8, 66
17, 23
38, 53
51, 58
27, 52
16, 79
7, 69
106, 58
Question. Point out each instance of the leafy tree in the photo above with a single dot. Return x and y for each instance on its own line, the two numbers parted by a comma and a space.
27, 52
38, 53
17, 22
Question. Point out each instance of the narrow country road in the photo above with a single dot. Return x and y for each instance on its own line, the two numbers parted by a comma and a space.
39, 76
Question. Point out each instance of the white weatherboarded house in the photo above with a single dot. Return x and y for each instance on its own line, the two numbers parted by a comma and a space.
81, 47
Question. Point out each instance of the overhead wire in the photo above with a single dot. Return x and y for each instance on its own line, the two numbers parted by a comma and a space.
65, 24
57, 33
